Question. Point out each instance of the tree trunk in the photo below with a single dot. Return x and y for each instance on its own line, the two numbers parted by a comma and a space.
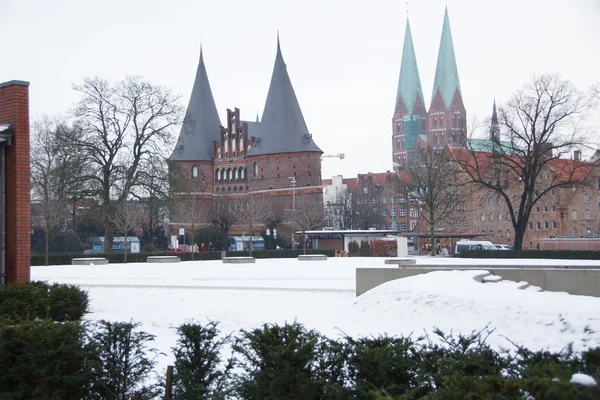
125, 248
519, 235
304, 241
109, 235
47, 241
192, 246
250, 241
432, 238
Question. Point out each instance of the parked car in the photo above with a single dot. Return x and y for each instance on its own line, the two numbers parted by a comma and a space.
503, 247
472, 245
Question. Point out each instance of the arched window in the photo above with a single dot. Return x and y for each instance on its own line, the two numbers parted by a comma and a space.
229, 175
217, 175
491, 234
499, 216
508, 234
226, 148
499, 233
587, 198
234, 175
491, 217
482, 217
194, 171
255, 169
574, 215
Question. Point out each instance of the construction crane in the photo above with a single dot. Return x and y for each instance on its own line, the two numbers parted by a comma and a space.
339, 155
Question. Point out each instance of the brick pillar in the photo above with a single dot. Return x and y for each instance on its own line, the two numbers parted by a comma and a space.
14, 110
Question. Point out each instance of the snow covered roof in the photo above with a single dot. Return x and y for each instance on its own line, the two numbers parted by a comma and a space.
4, 127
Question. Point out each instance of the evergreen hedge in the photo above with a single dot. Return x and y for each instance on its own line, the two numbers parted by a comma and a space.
545, 254
38, 300
42, 360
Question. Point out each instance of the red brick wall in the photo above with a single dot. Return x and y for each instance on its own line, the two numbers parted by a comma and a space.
14, 110
274, 170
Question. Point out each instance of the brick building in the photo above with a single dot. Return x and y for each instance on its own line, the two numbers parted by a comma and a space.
275, 157
15, 205
412, 124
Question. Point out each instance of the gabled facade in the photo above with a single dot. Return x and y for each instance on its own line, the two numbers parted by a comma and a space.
275, 157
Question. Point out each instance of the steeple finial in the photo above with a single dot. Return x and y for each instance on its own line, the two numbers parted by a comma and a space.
201, 60
278, 45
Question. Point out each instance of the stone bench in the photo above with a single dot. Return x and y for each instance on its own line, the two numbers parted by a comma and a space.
312, 257
401, 261
89, 261
162, 259
239, 260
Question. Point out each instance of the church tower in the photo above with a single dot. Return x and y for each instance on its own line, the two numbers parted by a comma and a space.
410, 116
447, 120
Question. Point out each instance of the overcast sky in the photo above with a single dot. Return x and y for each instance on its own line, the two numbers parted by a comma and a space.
343, 56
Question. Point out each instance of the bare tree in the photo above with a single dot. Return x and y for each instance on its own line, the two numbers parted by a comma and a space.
275, 216
432, 189
125, 217
223, 218
364, 207
308, 215
341, 210
251, 212
54, 174
542, 123
126, 126
192, 209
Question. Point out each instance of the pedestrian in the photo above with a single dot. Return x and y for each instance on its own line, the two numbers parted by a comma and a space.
202, 248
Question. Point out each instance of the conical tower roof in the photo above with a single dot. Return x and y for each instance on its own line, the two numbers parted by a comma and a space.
409, 83
282, 127
446, 71
201, 125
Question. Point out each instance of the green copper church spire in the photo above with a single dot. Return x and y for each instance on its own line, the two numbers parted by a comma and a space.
409, 83
446, 71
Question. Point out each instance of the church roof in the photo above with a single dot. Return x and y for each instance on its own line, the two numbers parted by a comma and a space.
282, 128
446, 71
201, 125
409, 83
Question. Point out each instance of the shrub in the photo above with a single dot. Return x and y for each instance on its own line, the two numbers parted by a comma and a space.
198, 373
67, 302
42, 360
353, 247
24, 301
382, 366
365, 248
384, 248
121, 362
278, 362
38, 300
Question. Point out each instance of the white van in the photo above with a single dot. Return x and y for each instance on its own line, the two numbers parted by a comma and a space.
472, 245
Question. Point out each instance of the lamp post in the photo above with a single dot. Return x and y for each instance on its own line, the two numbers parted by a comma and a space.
293, 184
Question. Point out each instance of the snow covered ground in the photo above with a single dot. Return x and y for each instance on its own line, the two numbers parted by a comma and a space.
321, 295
